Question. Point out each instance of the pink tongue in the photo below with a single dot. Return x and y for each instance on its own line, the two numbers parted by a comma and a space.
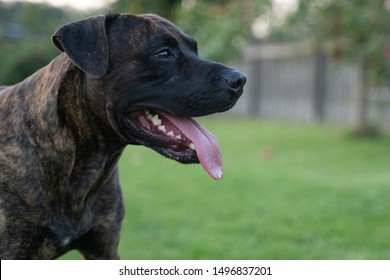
207, 148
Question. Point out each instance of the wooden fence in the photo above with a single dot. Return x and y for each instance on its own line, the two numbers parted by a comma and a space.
291, 81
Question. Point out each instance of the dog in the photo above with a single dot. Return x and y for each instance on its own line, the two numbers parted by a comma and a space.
120, 79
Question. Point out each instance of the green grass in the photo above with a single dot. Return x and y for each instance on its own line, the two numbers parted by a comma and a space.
289, 192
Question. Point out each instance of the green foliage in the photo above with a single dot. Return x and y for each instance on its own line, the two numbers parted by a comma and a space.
23, 59
164, 8
356, 29
25, 31
220, 27
288, 192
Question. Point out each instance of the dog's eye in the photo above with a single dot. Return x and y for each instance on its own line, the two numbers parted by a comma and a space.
164, 54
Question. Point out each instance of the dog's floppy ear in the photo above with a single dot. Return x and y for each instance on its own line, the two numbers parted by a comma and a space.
86, 44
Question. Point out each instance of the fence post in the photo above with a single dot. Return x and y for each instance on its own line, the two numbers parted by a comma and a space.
319, 86
362, 123
254, 97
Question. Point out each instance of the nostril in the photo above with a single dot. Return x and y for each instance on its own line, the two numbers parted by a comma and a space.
235, 79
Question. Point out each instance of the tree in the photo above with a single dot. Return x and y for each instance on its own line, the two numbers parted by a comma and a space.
164, 8
220, 26
25, 40
358, 30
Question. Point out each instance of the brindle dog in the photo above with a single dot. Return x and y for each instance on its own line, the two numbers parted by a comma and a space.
121, 79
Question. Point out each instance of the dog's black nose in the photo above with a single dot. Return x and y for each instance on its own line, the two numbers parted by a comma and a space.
235, 79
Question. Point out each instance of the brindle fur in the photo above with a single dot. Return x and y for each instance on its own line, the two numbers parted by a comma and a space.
59, 146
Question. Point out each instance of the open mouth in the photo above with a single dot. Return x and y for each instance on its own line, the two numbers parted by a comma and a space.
179, 138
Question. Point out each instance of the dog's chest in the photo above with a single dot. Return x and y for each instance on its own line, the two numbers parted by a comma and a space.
66, 229
53, 237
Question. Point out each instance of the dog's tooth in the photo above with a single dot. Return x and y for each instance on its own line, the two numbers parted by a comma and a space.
162, 128
178, 137
155, 120
170, 133
192, 146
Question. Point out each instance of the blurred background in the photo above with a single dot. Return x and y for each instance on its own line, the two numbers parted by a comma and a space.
306, 149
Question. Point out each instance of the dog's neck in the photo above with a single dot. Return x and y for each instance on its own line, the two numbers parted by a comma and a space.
86, 118
97, 147
79, 133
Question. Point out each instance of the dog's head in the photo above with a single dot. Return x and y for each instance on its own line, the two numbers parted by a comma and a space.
154, 82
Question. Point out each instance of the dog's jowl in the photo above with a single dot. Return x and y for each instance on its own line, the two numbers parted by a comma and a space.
120, 79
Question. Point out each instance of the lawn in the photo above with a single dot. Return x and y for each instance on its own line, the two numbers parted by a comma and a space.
289, 191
